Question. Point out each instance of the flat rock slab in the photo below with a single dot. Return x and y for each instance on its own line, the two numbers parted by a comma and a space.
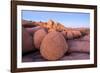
33, 57
36, 57
76, 56
80, 45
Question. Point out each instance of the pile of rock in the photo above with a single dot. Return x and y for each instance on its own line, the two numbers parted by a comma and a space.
52, 39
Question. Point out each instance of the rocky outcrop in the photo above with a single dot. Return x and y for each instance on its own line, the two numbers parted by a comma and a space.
69, 33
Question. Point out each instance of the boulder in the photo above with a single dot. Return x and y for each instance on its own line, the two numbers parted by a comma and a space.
69, 35
53, 46
64, 33
76, 33
38, 37
51, 30
33, 29
26, 41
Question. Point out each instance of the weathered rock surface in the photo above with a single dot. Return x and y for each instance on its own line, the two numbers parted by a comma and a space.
26, 41
38, 37
69, 35
36, 57
53, 46
79, 45
76, 33
76, 56
33, 29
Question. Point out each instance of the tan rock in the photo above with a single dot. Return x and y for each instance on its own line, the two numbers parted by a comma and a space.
50, 22
51, 30
64, 33
55, 25
69, 35
76, 33
53, 46
38, 37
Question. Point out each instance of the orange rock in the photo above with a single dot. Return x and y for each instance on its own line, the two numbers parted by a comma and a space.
55, 25
53, 46
38, 37
50, 30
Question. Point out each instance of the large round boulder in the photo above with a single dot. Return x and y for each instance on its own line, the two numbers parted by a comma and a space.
53, 46
38, 37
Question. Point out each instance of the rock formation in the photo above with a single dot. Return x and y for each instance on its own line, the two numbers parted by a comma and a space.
53, 39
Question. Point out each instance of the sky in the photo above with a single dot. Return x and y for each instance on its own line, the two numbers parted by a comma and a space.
68, 19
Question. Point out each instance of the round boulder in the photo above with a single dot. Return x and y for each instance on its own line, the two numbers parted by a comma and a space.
53, 46
38, 37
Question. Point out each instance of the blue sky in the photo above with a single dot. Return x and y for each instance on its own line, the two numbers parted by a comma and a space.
69, 19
